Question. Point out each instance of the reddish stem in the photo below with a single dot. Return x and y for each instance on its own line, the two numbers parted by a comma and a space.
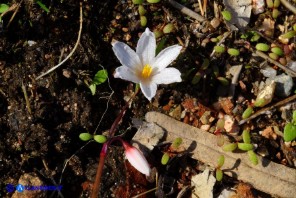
104, 150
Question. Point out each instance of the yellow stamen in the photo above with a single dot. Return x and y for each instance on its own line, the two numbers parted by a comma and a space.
146, 72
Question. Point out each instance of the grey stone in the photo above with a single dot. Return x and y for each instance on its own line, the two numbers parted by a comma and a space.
284, 84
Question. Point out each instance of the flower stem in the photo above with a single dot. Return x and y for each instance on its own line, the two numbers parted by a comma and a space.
104, 150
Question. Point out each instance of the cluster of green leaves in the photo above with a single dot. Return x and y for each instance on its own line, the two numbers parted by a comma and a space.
202, 70
100, 77
243, 146
273, 5
142, 11
290, 129
166, 156
98, 138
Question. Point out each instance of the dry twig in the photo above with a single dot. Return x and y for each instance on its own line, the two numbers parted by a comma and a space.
268, 109
289, 6
289, 71
71, 53
186, 11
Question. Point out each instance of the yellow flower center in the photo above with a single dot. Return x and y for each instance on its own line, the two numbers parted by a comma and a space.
146, 72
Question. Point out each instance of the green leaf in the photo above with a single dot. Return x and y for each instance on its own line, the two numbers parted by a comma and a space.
233, 52
221, 161
205, 64
100, 139
165, 159
93, 88
160, 45
137, 1
196, 78
42, 6
3, 8
289, 132
294, 116
153, 1
246, 136
223, 81
85, 136
143, 21
100, 77
226, 15
229, 147
177, 142
219, 174
245, 146
247, 113
168, 28
253, 157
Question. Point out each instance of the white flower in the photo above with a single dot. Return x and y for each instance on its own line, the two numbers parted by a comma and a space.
143, 67
136, 158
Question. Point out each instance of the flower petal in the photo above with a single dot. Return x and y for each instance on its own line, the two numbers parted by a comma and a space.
146, 47
166, 56
167, 76
137, 159
126, 55
125, 73
148, 89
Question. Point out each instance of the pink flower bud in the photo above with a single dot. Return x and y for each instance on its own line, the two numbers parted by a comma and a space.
136, 158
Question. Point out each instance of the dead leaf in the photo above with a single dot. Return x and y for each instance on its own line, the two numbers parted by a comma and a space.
203, 184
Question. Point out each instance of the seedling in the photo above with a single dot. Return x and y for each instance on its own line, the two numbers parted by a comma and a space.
262, 47
290, 129
100, 77
3, 8
243, 146
248, 112
219, 172
233, 52
168, 154
168, 28
226, 15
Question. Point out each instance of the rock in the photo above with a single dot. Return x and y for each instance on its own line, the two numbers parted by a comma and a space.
29, 180
284, 84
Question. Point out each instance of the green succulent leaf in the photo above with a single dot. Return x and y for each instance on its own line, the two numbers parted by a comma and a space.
229, 147
221, 161
246, 136
137, 1
100, 138
289, 132
153, 1
165, 159
253, 157
85, 136
245, 146
219, 174
177, 142
247, 113
294, 117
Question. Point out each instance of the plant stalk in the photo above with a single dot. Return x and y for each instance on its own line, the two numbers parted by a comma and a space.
97, 184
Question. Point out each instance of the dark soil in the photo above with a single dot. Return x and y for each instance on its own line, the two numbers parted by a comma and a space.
40, 138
